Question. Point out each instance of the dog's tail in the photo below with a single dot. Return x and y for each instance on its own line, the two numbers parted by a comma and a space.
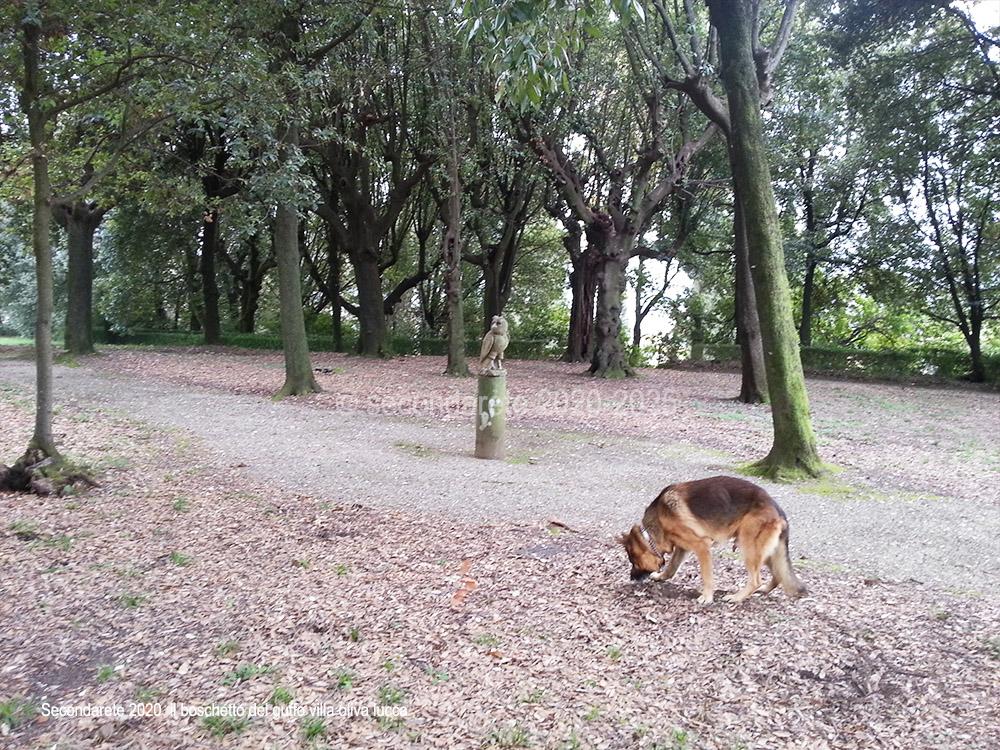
780, 563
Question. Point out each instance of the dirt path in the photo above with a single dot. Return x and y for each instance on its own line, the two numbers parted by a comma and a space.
592, 481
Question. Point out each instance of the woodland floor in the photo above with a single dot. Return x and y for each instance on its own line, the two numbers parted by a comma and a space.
345, 550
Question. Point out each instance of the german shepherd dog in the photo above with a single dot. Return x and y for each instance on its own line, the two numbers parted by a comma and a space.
691, 516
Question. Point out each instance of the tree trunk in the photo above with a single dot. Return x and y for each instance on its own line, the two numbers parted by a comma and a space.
191, 284
793, 453
253, 282
609, 360
371, 305
640, 283
583, 288
299, 378
333, 288
209, 284
491, 294
753, 381
805, 324
978, 372
80, 221
42, 439
452, 252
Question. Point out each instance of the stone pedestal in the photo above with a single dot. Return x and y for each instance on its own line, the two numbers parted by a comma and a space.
491, 415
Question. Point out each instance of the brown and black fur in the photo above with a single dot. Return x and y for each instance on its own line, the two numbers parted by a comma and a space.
691, 516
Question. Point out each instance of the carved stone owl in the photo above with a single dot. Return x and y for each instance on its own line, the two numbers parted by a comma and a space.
494, 344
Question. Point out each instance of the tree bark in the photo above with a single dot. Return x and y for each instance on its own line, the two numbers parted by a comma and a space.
80, 220
583, 278
793, 453
211, 325
640, 283
299, 378
333, 286
452, 253
42, 438
371, 307
251, 283
808, 284
753, 380
609, 359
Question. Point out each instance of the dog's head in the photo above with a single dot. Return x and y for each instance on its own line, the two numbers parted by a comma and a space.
644, 560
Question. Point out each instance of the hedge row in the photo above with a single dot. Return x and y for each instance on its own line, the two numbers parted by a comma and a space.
941, 363
518, 349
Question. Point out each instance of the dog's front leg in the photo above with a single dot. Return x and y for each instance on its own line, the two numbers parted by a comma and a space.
675, 562
704, 553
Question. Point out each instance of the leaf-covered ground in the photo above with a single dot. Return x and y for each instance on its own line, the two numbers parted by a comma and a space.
183, 581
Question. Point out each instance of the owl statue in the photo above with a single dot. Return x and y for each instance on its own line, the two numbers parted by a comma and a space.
494, 344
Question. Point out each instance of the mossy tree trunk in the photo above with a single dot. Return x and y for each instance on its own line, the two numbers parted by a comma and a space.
753, 380
31, 98
793, 452
299, 378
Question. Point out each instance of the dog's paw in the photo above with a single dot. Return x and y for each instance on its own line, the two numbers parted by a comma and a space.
657, 576
706, 598
733, 598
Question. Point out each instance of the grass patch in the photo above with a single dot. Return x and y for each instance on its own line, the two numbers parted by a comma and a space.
220, 726
147, 694
131, 601
26, 531
66, 360
345, 679
535, 696
179, 558
437, 675
245, 672
416, 449
828, 488
281, 696
303, 564
226, 648
340, 569
486, 639
16, 341
181, 504
312, 727
992, 647
784, 474
16, 711
390, 696
354, 634
106, 673
512, 736
614, 653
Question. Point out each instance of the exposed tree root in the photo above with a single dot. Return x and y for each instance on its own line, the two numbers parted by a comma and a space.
38, 473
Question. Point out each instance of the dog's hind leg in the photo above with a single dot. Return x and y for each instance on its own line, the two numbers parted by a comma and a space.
757, 542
